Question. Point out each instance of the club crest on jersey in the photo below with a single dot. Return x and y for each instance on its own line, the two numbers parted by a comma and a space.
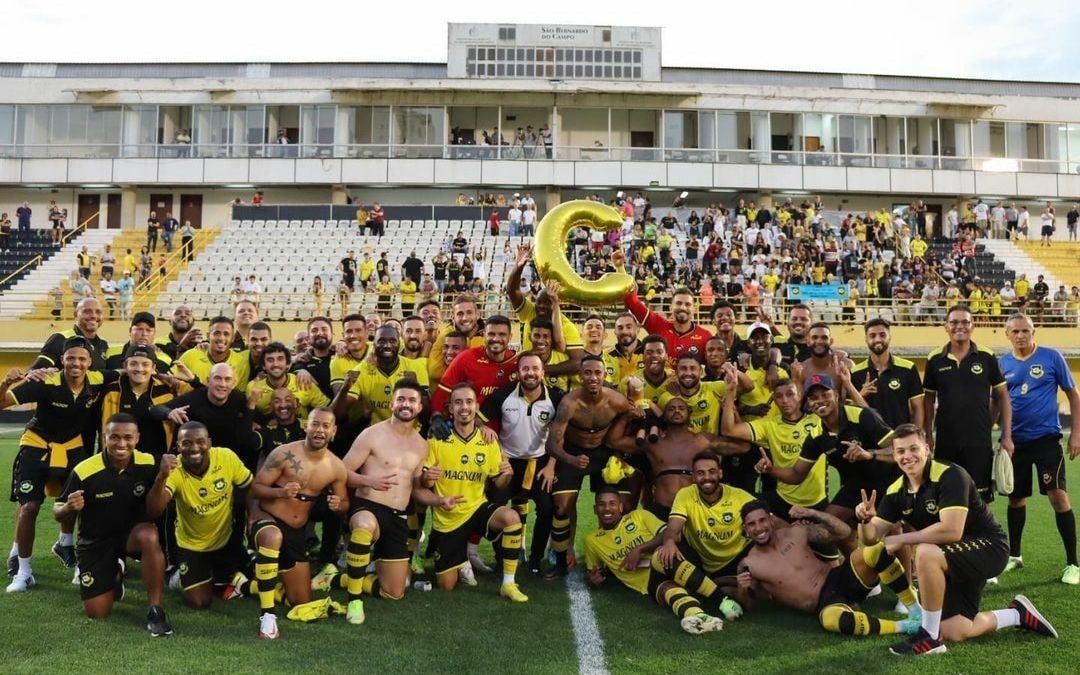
545, 416
139, 490
894, 384
26, 486
729, 518
976, 369
931, 506
1036, 371
480, 457
183, 569
219, 484
702, 405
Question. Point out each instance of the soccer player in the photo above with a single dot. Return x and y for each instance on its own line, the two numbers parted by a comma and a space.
205, 484
246, 314
87, 321
958, 546
465, 320
626, 358
289, 482
274, 362
888, 383
316, 360
542, 334
795, 346
702, 397
220, 350
458, 470
783, 565
546, 306
370, 386
412, 338
723, 316
623, 546
107, 493
355, 332
182, 334
960, 380
140, 333
1034, 374
50, 447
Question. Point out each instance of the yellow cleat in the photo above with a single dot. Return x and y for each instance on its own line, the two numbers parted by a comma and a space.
512, 592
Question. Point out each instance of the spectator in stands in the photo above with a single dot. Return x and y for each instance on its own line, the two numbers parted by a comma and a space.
80, 289
408, 289
1071, 218
385, 292
56, 295
169, 226
109, 291
427, 288
382, 266
413, 267
317, 293
493, 222
162, 266
153, 225
237, 292
187, 241
54, 218
1061, 302
125, 287
1023, 223
344, 294
479, 267
5, 233
460, 244
367, 271
528, 219
22, 215
258, 198
146, 262
108, 261
440, 263
85, 261
514, 216
378, 219
252, 290
1048, 226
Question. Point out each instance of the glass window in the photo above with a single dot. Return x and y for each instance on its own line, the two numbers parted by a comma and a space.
988, 138
417, 126
680, 129
317, 129
7, 125
211, 130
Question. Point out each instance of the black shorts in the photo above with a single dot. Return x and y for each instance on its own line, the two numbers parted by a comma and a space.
1047, 230
1010, 225
659, 510
393, 542
978, 461
569, 478
349, 281
730, 568
99, 566
293, 542
218, 566
32, 471
1045, 456
971, 562
525, 484
842, 586
450, 547
781, 507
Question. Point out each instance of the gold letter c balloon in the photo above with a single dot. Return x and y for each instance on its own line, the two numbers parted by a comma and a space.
550, 253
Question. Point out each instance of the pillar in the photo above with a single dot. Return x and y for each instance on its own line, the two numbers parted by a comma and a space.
127, 206
554, 197
339, 195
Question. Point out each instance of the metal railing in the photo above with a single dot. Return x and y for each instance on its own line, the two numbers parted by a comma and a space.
178, 258
38, 258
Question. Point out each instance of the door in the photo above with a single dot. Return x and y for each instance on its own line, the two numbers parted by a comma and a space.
161, 204
89, 208
191, 209
115, 217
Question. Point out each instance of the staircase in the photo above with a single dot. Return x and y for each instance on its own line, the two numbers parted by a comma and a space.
1025, 258
29, 297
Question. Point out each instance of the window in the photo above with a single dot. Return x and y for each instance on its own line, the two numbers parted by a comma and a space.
317, 124
419, 126
508, 33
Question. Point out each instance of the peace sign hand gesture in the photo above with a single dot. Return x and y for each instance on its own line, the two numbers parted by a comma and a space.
865, 510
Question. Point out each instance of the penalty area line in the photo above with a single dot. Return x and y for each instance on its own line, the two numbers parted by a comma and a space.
590, 646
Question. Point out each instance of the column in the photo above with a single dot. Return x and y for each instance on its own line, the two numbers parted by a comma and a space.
554, 198
127, 206
339, 195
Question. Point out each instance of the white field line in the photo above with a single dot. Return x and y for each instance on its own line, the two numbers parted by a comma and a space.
590, 646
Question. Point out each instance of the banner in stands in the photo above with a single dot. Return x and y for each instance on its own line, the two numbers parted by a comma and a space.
817, 293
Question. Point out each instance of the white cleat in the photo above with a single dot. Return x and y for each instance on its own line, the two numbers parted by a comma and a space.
21, 583
466, 575
696, 624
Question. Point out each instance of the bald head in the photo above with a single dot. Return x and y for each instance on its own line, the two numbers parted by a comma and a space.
88, 316
222, 382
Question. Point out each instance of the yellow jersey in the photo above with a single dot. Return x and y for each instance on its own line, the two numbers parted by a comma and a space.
467, 464
760, 394
436, 367
652, 391
618, 367
374, 387
784, 440
705, 406
339, 365
713, 530
204, 504
608, 548
527, 312
559, 381
306, 399
200, 364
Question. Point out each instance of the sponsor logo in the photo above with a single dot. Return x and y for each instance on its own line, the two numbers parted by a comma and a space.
464, 459
1046, 478
618, 540
795, 434
386, 390
203, 492
184, 569
712, 522
26, 486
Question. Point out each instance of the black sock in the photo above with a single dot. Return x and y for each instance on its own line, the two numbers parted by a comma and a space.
1066, 525
1015, 516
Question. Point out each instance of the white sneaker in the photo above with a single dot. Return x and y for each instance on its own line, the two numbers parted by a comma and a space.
479, 565
21, 583
900, 608
876, 590
75, 581
174, 581
268, 629
992, 581
467, 576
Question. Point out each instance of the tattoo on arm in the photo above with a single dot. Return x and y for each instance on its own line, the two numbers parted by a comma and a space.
828, 528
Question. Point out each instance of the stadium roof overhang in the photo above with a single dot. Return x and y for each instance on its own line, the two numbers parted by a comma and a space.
963, 110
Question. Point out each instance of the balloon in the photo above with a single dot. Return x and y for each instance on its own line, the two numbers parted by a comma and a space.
549, 253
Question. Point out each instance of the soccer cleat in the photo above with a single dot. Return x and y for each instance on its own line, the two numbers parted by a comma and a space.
696, 624
730, 609
513, 593
1015, 563
1030, 618
174, 581
354, 614
466, 575
324, 580
66, 554
157, 623
235, 588
12, 566
268, 627
919, 644
21, 583
900, 608
1071, 575
479, 565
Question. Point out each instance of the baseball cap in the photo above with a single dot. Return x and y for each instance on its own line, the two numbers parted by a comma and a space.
143, 350
819, 380
757, 325
78, 341
144, 317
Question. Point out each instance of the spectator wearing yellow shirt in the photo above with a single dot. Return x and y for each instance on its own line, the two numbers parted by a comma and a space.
771, 280
848, 312
408, 296
952, 295
819, 273
975, 299
993, 299
918, 247
367, 269
385, 291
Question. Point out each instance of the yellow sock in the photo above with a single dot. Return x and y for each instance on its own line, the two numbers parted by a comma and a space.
266, 574
357, 558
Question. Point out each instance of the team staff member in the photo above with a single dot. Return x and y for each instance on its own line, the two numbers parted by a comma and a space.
888, 383
219, 351
463, 466
624, 545
958, 546
246, 314
961, 379
50, 447
205, 484
141, 332
795, 346
88, 319
567, 337
627, 357
521, 413
275, 359
107, 493
1034, 374
316, 360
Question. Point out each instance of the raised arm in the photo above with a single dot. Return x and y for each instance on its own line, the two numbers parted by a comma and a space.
513, 280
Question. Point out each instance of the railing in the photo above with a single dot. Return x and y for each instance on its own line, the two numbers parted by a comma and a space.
174, 261
38, 258
542, 152
78, 228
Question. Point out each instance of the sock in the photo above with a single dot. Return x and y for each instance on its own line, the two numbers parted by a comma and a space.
357, 557
846, 621
690, 577
560, 538
266, 574
24, 567
369, 585
472, 549
66, 539
681, 603
511, 548
522, 508
931, 622
1006, 618
1066, 525
891, 573
1015, 517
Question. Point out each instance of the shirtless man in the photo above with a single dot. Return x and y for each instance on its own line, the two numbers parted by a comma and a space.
782, 566
383, 463
824, 360
671, 457
283, 495
576, 440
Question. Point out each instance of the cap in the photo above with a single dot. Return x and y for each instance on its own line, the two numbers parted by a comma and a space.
144, 350
757, 325
78, 341
820, 380
144, 317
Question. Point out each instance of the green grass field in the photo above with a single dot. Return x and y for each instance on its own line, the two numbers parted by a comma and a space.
473, 630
